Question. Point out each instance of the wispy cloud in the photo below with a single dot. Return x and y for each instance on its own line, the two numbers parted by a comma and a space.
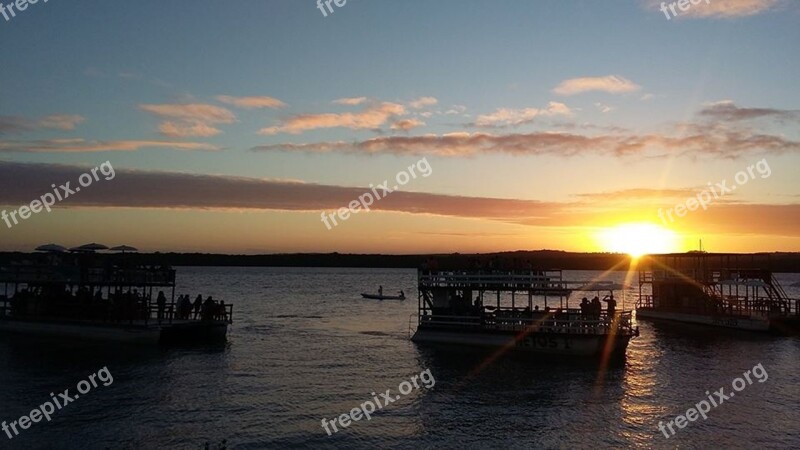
371, 118
190, 119
423, 102
350, 101
84, 146
18, 124
407, 124
701, 142
612, 84
503, 117
728, 111
261, 102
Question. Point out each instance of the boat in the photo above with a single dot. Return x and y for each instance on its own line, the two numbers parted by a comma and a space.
447, 315
83, 295
717, 290
402, 296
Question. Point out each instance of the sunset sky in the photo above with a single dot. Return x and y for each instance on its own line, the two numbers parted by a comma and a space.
232, 126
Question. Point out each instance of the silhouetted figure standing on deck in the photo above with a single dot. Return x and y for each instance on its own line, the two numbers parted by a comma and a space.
612, 306
161, 301
198, 305
597, 308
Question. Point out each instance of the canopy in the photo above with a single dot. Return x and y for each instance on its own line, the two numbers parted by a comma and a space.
93, 247
51, 248
124, 249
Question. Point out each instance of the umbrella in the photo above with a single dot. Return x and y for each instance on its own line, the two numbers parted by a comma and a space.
93, 247
51, 248
124, 249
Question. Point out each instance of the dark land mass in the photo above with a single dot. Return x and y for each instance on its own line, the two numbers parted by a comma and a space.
539, 259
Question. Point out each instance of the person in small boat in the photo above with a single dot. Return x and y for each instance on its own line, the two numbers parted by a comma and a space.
380, 291
402, 294
198, 306
161, 301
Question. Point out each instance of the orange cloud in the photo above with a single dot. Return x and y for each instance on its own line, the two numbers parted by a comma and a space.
252, 102
17, 124
612, 84
190, 120
350, 101
407, 124
514, 117
371, 118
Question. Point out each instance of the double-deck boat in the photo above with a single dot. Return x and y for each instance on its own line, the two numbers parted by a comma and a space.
482, 309
723, 290
97, 297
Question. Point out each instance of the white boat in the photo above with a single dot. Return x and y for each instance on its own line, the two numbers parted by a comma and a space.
447, 315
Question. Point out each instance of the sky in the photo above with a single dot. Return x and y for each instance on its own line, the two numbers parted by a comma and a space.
256, 126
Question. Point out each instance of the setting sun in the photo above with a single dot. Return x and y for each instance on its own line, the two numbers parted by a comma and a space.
638, 239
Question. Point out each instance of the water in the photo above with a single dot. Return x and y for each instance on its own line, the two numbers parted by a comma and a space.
305, 347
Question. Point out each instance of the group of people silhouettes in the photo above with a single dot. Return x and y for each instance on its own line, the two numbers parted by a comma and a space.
592, 309
186, 309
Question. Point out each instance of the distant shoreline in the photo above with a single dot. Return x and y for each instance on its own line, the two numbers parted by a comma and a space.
539, 259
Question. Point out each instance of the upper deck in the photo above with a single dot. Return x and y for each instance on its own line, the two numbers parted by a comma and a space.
536, 282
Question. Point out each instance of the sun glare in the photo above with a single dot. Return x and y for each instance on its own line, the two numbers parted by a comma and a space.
637, 239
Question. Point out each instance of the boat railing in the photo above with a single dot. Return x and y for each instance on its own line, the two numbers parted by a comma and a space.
566, 322
142, 312
731, 305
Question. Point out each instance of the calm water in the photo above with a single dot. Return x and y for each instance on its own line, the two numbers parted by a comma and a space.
305, 346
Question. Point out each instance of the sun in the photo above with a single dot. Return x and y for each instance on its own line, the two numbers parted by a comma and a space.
637, 239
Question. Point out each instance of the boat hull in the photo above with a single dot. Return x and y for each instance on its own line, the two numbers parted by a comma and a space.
586, 345
739, 323
199, 332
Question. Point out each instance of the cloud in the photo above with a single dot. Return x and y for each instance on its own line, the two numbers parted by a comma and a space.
17, 124
350, 101
423, 102
252, 102
190, 119
612, 84
407, 124
603, 108
729, 112
371, 118
702, 141
22, 182
84, 146
514, 117
722, 9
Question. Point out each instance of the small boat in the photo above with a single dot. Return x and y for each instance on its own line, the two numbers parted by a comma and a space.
402, 296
